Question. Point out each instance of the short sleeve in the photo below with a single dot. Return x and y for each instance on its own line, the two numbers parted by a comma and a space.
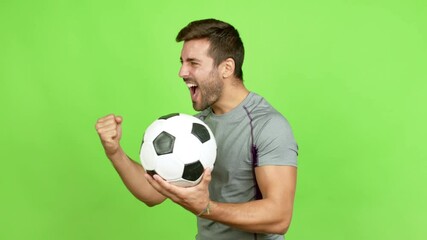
275, 142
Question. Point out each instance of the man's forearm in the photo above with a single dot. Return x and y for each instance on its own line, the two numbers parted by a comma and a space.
132, 175
261, 216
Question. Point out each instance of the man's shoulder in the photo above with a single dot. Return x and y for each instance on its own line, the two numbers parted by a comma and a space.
258, 107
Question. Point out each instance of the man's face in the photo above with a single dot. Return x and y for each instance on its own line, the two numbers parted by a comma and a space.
199, 73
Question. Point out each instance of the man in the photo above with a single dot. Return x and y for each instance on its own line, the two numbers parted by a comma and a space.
250, 192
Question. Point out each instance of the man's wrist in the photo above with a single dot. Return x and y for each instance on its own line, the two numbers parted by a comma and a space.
206, 210
116, 156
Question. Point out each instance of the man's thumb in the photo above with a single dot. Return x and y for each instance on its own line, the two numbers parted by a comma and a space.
207, 175
119, 119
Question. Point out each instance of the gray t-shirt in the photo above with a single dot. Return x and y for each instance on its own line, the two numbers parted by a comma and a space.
252, 134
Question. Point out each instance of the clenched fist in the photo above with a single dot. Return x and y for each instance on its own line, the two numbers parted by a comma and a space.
110, 131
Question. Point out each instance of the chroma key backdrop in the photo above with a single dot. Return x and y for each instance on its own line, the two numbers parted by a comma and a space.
350, 76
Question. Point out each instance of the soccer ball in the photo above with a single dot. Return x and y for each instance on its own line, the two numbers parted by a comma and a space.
178, 147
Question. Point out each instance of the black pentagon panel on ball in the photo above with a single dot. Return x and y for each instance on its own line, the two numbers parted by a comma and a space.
163, 144
142, 143
193, 171
151, 172
201, 132
169, 116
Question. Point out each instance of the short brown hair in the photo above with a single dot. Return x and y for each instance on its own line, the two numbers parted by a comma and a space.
224, 41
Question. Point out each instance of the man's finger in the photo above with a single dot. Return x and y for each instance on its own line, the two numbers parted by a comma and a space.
207, 176
107, 129
106, 118
103, 124
155, 184
164, 184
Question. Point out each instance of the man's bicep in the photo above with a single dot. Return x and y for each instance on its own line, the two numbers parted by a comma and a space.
277, 182
277, 185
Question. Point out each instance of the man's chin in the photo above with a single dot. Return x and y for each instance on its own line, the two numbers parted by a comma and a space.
199, 108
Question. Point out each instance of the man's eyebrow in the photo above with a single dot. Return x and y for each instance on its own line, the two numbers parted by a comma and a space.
189, 60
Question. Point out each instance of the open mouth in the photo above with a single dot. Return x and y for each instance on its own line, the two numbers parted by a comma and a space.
193, 90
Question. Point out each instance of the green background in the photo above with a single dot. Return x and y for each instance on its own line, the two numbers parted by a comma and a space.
350, 76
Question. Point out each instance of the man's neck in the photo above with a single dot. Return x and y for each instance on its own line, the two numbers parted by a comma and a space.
233, 94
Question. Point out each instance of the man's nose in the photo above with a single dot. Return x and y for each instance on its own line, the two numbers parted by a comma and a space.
183, 71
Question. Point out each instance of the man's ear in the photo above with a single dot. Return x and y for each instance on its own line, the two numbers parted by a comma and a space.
228, 66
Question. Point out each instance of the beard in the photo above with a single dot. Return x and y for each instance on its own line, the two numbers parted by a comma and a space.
210, 91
